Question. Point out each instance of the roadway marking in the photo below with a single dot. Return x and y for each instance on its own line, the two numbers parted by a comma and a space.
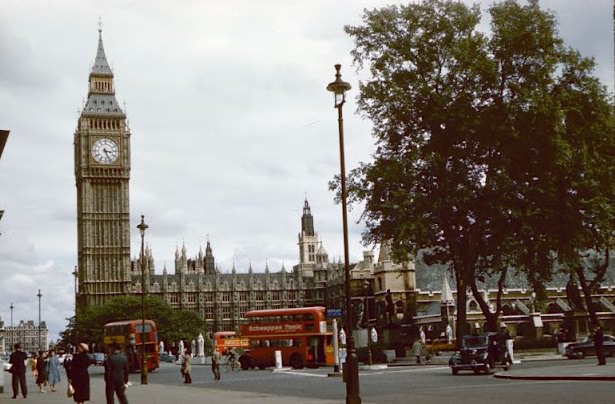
290, 372
368, 373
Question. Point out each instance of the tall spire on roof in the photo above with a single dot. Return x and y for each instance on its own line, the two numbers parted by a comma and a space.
307, 221
101, 66
446, 297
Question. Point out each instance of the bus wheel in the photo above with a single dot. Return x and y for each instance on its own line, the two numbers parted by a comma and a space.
245, 362
296, 362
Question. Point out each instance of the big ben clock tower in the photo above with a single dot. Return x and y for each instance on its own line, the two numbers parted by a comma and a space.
102, 176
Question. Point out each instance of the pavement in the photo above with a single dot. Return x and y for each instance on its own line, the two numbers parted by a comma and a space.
159, 393
150, 394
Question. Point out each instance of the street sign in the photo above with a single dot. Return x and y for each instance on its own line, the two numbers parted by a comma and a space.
333, 313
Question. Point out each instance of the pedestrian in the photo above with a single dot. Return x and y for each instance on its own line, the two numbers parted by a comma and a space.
53, 370
422, 336
78, 374
18, 371
417, 350
33, 361
215, 364
41, 370
186, 367
599, 344
116, 376
66, 364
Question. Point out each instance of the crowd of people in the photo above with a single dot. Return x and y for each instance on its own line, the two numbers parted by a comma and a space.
46, 371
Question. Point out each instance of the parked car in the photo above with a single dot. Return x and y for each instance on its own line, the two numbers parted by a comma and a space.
481, 352
165, 357
580, 350
97, 358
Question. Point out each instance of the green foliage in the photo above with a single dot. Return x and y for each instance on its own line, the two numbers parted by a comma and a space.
172, 325
493, 151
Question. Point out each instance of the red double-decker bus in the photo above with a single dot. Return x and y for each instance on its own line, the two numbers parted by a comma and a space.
301, 334
227, 340
128, 335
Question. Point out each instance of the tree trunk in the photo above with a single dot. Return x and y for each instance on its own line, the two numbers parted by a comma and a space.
588, 295
492, 318
462, 298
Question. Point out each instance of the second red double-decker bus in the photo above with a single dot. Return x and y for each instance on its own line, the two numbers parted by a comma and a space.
128, 335
229, 340
300, 334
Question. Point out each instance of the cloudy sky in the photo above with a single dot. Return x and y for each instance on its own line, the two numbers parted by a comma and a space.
232, 128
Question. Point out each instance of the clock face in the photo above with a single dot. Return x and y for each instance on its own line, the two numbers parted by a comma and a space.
105, 151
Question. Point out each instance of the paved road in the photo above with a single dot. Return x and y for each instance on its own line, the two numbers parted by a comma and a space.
416, 384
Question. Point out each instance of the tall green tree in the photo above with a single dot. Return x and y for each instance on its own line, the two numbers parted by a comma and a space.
469, 138
172, 325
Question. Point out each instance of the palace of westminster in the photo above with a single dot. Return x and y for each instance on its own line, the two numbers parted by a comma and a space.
422, 295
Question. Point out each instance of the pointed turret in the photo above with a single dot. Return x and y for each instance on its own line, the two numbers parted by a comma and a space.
385, 252
307, 221
210, 262
447, 294
101, 94
101, 66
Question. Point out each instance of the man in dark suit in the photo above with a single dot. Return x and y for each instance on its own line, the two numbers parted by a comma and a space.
18, 369
116, 376
599, 344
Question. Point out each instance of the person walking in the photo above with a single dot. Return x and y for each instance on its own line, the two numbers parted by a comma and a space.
78, 374
599, 344
417, 350
18, 370
53, 370
41, 371
116, 376
215, 364
33, 362
186, 366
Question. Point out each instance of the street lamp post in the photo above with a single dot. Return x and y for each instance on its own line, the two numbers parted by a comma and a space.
142, 227
12, 333
39, 318
339, 88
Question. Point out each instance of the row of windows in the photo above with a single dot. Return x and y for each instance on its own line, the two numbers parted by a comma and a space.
102, 86
275, 343
110, 124
227, 297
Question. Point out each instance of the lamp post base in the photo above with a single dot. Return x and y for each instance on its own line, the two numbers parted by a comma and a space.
351, 377
144, 373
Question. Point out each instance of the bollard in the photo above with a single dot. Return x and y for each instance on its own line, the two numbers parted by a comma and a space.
278, 359
2, 364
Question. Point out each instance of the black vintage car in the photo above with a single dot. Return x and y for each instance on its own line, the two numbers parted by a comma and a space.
481, 352
580, 350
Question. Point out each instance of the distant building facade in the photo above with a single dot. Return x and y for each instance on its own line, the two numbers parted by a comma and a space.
26, 333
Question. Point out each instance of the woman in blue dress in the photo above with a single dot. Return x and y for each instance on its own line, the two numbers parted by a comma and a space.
53, 370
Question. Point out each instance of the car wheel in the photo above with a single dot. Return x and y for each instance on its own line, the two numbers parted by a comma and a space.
581, 354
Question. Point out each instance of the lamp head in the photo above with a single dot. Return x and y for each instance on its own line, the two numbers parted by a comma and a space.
142, 226
339, 87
